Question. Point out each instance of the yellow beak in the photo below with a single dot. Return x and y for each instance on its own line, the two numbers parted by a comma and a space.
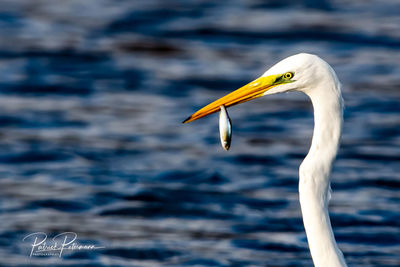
248, 92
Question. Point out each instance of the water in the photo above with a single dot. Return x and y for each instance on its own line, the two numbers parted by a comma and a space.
92, 96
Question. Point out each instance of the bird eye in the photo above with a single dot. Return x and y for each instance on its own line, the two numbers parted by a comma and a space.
288, 75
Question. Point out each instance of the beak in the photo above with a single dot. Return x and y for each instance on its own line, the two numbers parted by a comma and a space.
248, 92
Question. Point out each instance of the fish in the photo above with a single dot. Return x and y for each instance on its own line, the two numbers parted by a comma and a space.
225, 128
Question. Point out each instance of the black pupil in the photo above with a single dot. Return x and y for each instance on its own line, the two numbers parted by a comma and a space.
288, 75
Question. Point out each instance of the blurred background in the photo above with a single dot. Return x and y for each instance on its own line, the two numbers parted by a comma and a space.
92, 95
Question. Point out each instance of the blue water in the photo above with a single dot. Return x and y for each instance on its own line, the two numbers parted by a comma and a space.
92, 95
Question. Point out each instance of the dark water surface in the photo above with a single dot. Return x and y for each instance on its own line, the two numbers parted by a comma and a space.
92, 95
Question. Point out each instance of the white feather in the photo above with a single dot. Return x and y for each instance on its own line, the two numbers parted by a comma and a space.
314, 77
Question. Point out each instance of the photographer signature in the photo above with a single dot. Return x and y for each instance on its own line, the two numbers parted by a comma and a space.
56, 246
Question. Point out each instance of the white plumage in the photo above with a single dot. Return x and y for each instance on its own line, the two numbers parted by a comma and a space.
317, 79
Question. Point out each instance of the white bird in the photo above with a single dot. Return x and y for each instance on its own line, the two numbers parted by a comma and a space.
313, 76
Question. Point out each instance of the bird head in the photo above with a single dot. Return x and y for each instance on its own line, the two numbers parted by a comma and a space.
301, 72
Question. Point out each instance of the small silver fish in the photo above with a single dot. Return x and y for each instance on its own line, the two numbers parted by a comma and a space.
225, 128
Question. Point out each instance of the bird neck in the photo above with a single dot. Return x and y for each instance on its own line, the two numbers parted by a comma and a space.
314, 183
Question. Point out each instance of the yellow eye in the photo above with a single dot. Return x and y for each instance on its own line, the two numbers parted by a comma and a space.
288, 75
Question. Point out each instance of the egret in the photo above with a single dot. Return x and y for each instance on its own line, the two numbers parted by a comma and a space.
311, 75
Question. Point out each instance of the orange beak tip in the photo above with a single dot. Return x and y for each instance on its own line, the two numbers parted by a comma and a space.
186, 120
